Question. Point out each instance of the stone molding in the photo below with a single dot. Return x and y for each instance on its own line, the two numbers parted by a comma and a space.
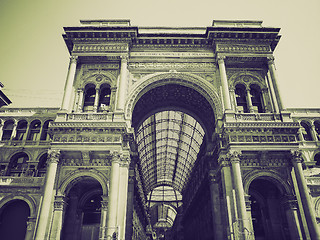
70, 178
172, 65
296, 156
188, 80
53, 156
243, 48
100, 48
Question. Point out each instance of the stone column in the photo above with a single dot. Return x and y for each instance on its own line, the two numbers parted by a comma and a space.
216, 205
264, 98
80, 100
233, 99
58, 216
314, 133
53, 159
30, 228
76, 101
227, 187
113, 196
104, 215
122, 83
1, 129
96, 100
301, 137
249, 100
272, 70
69, 82
224, 83
243, 221
291, 209
304, 195
14, 130
123, 190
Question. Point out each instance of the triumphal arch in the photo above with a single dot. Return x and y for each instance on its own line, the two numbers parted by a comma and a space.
165, 133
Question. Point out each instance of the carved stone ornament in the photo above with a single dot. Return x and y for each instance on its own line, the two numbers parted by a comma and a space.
224, 162
53, 156
234, 156
296, 156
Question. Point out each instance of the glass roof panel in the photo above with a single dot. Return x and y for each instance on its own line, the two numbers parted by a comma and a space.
168, 144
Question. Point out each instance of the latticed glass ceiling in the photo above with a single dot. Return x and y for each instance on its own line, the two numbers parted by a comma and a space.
168, 144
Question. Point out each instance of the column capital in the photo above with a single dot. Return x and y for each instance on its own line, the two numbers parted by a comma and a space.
234, 156
124, 58
122, 158
270, 60
296, 156
74, 59
213, 177
224, 161
220, 59
59, 203
104, 202
53, 156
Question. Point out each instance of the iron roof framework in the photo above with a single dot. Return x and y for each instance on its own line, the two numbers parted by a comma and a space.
168, 144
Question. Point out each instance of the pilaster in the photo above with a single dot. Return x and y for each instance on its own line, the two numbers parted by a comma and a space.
53, 159
308, 208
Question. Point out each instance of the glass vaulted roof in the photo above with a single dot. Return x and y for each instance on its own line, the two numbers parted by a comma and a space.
168, 144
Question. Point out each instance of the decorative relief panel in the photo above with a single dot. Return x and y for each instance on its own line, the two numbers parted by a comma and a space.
173, 54
80, 135
172, 65
243, 48
260, 135
89, 48
246, 77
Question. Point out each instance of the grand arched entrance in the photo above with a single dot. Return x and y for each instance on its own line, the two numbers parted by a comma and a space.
268, 211
83, 213
173, 129
13, 220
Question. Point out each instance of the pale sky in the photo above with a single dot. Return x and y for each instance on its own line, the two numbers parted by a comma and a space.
34, 58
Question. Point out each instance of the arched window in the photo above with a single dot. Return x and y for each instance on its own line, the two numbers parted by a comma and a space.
317, 159
256, 98
317, 128
34, 130
42, 165
240, 92
44, 133
21, 129
306, 131
7, 130
89, 97
104, 99
18, 164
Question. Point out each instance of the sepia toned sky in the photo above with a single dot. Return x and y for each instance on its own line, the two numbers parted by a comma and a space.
34, 59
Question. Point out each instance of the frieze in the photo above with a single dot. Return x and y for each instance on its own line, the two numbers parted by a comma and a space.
262, 139
171, 65
91, 162
243, 48
118, 47
80, 138
173, 54
100, 67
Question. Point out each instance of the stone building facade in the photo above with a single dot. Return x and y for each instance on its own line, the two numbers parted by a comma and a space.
163, 133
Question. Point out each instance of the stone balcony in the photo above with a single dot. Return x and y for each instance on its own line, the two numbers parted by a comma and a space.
21, 181
89, 116
24, 143
257, 117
